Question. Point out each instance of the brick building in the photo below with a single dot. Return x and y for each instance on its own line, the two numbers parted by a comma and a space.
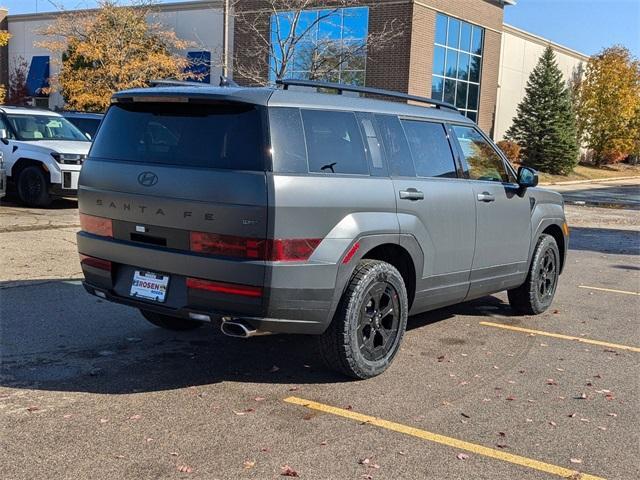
459, 51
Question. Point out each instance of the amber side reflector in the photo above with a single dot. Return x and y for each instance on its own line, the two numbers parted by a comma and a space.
565, 229
220, 287
98, 263
96, 225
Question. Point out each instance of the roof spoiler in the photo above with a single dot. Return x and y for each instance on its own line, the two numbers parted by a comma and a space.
169, 82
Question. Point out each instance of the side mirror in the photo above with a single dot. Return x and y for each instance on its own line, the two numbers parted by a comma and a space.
4, 136
527, 177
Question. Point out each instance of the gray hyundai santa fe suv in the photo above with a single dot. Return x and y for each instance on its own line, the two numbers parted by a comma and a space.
283, 210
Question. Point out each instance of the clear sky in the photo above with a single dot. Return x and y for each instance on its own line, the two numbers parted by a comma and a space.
584, 25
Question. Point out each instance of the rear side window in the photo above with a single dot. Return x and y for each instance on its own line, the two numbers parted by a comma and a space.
430, 149
396, 146
334, 142
226, 135
289, 151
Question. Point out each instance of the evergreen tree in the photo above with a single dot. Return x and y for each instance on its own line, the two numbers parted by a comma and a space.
545, 124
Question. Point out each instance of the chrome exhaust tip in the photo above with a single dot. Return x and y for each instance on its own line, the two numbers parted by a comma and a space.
239, 329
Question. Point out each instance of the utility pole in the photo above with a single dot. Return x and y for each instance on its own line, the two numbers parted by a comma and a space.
226, 40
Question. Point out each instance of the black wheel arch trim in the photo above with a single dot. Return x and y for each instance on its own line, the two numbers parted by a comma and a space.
368, 243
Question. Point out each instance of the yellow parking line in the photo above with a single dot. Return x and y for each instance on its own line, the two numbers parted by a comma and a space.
563, 337
624, 292
441, 439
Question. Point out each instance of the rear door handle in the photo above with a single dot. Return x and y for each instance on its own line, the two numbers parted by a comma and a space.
411, 194
486, 197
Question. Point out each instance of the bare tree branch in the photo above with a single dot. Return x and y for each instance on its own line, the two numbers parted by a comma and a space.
269, 44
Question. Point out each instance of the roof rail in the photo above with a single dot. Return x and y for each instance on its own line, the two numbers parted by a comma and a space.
286, 83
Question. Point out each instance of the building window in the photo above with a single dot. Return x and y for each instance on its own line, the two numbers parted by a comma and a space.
332, 45
457, 61
199, 66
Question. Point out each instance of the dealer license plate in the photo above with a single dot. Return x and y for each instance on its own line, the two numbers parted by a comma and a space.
149, 286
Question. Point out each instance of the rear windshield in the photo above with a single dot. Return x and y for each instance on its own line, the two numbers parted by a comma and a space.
226, 136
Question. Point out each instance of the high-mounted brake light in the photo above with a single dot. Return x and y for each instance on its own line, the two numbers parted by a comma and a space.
293, 250
221, 287
96, 225
94, 262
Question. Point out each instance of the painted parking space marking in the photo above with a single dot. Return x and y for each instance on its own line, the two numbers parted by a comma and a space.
609, 290
443, 440
561, 336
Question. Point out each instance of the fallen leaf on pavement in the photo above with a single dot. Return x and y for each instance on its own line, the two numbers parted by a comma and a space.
33, 408
323, 443
552, 423
135, 417
259, 399
293, 389
287, 471
462, 456
582, 396
185, 469
612, 414
173, 454
249, 464
576, 460
501, 445
103, 420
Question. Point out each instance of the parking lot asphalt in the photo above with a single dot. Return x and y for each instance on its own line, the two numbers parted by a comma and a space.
88, 389
617, 193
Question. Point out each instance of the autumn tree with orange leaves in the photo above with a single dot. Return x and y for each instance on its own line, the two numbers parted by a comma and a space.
110, 49
609, 105
4, 41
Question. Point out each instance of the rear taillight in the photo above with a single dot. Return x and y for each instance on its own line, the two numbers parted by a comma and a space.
94, 262
96, 225
294, 250
220, 287
228, 246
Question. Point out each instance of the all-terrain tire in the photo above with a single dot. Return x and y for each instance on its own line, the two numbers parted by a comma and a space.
168, 322
339, 345
33, 187
536, 294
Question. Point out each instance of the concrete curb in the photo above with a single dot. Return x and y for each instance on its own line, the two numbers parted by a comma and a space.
597, 180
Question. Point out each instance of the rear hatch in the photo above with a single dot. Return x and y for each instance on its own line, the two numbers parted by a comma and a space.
184, 185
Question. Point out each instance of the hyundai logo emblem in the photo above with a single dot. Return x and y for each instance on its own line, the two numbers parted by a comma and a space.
147, 179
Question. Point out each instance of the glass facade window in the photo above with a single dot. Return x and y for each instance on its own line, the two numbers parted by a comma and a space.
457, 60
332, 44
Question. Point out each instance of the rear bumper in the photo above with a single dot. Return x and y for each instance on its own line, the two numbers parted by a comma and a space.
296, 298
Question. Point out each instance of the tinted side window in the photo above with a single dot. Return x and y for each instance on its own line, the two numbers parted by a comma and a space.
289, 151
481, 160
430, 148
396, 146
334, 142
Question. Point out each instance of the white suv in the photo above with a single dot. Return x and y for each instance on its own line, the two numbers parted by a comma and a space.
43, 154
